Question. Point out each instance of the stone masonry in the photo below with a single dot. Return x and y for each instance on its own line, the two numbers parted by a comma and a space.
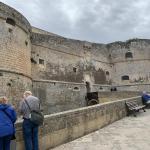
60, 70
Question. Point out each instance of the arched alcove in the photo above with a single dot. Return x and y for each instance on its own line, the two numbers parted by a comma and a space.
128, 55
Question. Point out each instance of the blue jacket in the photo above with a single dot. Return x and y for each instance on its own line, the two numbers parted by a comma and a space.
7, 123
145, 98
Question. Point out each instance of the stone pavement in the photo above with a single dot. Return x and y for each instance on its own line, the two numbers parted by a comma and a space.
130, 133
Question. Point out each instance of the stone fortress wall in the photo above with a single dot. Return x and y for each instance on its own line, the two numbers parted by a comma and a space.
132, 59
60, 71
15, 53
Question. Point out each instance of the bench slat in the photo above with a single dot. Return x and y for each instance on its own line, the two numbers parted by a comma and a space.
134, 107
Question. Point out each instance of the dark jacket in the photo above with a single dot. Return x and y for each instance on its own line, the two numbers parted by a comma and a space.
145, 98
7, 123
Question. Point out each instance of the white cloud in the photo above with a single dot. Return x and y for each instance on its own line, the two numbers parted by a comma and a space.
97, 20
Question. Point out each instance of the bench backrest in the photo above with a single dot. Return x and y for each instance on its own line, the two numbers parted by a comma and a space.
132, 104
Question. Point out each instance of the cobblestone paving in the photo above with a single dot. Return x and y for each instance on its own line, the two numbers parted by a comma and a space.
130, 133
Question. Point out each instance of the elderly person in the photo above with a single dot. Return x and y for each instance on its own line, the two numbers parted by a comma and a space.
30, 130
7, 120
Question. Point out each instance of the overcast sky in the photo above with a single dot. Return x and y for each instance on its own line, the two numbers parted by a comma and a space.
101, 21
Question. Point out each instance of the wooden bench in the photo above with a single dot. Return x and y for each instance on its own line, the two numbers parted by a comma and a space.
133, 107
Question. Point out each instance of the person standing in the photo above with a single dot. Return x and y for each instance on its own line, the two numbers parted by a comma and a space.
7, 119
30, 130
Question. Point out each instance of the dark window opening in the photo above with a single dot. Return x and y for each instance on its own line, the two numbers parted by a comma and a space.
10, 30
1, 74
41, 61
33, 61
10, 21
74, 69
8, 84
31, 38
26, 42
107, 72
101, 88
113, 89
125, 77
76, 88
128, 55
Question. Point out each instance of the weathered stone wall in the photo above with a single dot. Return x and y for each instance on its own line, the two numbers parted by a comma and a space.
41, 55
9, 12
13, 86
15, 53
40, 31
134, 87
101, 87
69, 60
66, 126
107, 96
58, 96
137, 68
15, 45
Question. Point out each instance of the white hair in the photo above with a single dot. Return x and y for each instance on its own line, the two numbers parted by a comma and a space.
27, 93
3, 99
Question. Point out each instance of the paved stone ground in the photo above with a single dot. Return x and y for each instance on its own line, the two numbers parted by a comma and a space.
130, 133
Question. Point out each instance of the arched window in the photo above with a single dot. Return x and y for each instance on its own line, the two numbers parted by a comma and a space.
76, 89
107, 73
10, 21
125, 77
128, 55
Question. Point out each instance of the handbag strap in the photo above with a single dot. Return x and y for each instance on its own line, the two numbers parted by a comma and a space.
27, 104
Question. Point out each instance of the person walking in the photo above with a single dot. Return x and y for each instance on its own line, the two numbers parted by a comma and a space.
30, 130
7, 119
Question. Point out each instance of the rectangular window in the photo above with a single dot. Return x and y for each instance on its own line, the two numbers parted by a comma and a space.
41, 61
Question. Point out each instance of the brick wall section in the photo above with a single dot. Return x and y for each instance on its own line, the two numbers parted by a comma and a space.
15, 54
13, 86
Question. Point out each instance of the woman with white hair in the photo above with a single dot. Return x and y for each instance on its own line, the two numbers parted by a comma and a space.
7, 120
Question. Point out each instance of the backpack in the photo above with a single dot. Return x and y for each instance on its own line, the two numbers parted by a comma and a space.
35, 116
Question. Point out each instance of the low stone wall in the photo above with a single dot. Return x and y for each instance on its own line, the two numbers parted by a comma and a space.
107, 96
66, 126
134, 87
